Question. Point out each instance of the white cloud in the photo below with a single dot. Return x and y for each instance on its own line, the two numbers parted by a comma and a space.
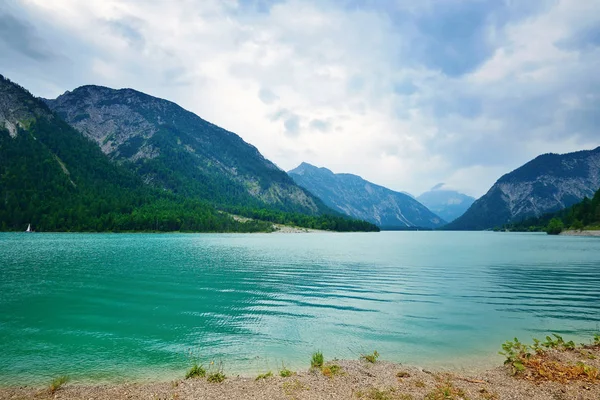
350, 85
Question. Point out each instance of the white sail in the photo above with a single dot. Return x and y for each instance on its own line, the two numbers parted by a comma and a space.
28, 228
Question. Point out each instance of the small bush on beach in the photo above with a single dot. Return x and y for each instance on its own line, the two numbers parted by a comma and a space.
378, 394
542, 365
445, 391
57, 383
331, 370
372, 358
284, 372
197, 371
291, 388
215, 373
402, 374
557, 343
216, 377
264, 376
317, 360
597, 339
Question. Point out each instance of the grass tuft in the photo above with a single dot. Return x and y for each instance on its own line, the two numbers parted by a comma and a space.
317, 360
264, 376
58, 383
372, 358
196, 371
216, 377
331, 370
446, 391
284, 372
378, 394
402, 374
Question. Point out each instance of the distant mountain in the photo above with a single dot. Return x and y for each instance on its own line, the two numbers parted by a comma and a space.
548, 183
448, 204
356, 197
175, 150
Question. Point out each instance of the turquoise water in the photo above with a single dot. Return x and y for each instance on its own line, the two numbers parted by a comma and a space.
129, 306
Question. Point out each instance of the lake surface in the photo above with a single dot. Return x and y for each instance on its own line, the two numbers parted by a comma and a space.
130, 306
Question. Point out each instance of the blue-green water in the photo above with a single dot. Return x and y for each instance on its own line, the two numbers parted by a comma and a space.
129, 306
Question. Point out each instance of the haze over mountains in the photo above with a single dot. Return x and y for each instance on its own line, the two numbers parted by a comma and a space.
548, 183
354, 196
448, 204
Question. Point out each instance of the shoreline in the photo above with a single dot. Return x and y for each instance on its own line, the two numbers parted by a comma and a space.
580, 233
350, 379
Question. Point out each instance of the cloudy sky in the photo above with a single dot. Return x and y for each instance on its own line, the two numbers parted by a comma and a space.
404, 93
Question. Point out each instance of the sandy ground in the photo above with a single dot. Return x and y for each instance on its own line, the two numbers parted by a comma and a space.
358, 380
580, 233
293, 229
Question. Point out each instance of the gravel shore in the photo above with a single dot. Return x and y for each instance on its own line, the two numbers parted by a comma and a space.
580, 233
357, 380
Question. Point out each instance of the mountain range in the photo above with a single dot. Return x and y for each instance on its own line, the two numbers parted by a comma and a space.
448, 204
98, 159
175, 150
548, 183
356, 197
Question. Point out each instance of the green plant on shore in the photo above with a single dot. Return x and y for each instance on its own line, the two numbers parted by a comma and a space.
284, 372
372, 358
331, 370
291, 388
515, 353
378, 394
216, 377
215, 373
196, 371
555, 226
597, 339
446, 391
264, 376
558, 343
57, 383
317, 360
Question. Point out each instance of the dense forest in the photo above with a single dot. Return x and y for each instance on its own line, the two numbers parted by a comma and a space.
583, 215
55, 179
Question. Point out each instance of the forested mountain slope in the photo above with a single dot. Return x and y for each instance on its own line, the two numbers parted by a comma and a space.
548, 183
356, 197
173, 149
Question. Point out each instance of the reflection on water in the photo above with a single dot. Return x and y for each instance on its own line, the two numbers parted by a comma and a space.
125, 306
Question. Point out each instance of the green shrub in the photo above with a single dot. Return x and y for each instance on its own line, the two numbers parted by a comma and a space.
197, 371
555, 226
216, 377
317, 360
57, 383
370, 357
264, 376
515, 352
284, 372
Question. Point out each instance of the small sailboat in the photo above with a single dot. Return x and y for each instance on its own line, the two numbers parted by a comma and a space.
29, 228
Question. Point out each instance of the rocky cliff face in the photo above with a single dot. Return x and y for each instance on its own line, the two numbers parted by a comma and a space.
356, 197
548, 183
174, 149
18, 108
448, 204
